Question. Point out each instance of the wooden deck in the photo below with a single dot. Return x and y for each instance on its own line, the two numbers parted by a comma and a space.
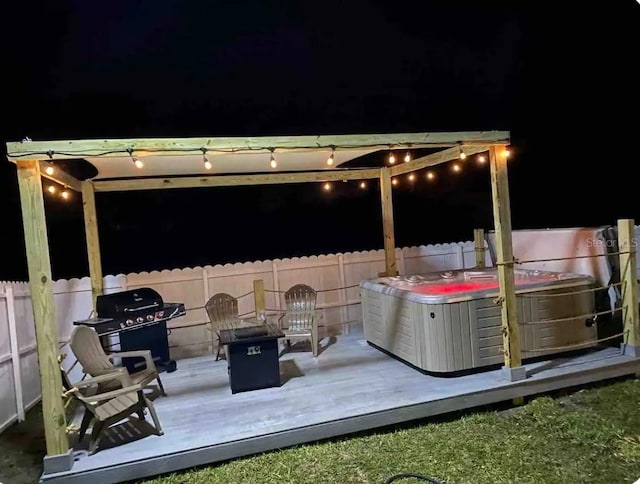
350, 387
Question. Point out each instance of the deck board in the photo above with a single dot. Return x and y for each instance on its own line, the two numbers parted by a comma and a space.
349, 387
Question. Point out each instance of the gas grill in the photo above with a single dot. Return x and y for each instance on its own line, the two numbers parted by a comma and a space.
139, 318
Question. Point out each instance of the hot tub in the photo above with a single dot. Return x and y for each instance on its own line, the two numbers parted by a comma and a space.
445, 322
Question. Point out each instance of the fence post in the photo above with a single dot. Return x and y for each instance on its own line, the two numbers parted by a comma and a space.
276, 286
478, 243
386, 196
258, 294
15, 350
344, 296
629, 279
205, 294
459, 252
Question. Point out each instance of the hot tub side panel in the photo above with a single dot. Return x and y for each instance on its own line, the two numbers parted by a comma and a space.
553, 321
391, 324
450, 337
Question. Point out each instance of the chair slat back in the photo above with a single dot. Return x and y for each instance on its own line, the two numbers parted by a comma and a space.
222, 308
300, 301
85, 344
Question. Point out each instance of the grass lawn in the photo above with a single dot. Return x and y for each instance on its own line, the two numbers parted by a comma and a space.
591, 435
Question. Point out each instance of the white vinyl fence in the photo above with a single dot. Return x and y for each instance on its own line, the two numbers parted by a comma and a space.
335, 276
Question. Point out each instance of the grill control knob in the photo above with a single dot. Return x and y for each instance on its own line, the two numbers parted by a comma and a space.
140, 319
149, 317
129, 322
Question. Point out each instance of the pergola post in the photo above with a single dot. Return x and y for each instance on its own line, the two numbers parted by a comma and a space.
93, 242
480, 249
387, 223
512, 369
629, 279
37, 247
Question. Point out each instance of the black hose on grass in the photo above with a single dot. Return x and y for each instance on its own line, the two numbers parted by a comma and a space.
406, 475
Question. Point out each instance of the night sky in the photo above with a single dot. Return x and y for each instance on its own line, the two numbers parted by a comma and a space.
562, 79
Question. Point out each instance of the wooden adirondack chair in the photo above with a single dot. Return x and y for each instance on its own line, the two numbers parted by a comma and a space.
299, 320
222, 309
86, 346
107, 408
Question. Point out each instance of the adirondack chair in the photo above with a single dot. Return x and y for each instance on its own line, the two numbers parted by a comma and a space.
299, 321
86, 346
107, 408
222, 309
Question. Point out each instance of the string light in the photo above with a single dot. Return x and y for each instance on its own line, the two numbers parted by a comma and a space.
135, 160
412, 177
273, 161
65, 194
482, 159
394, 181
207, 163
49, 170
463, 155
456, 168
392, 158
407, 157
431, 175
331, 158
327, 186
363, 185
507, 153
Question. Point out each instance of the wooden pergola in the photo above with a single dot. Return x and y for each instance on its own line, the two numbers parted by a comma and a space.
180, 163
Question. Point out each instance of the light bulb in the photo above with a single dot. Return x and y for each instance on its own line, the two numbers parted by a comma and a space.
392, 159
407, 157
330, 160
207, 165
394, 181
49, 170
430, 175
51, 189
327, 186
363, 185
456, 167
507, 153
463, 155
482, 159
65, 194
273, 163
412, 177
138, 163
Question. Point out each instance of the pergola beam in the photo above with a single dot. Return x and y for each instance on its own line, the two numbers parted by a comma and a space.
74, 149
61, 177
234, 180
438, 158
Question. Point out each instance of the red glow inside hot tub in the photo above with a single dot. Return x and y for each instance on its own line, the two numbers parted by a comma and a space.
460, 287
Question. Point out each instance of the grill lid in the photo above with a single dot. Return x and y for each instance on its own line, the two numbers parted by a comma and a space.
125, 302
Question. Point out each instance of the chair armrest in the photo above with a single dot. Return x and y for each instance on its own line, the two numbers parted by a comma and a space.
121, 376
110, 395
146, 354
